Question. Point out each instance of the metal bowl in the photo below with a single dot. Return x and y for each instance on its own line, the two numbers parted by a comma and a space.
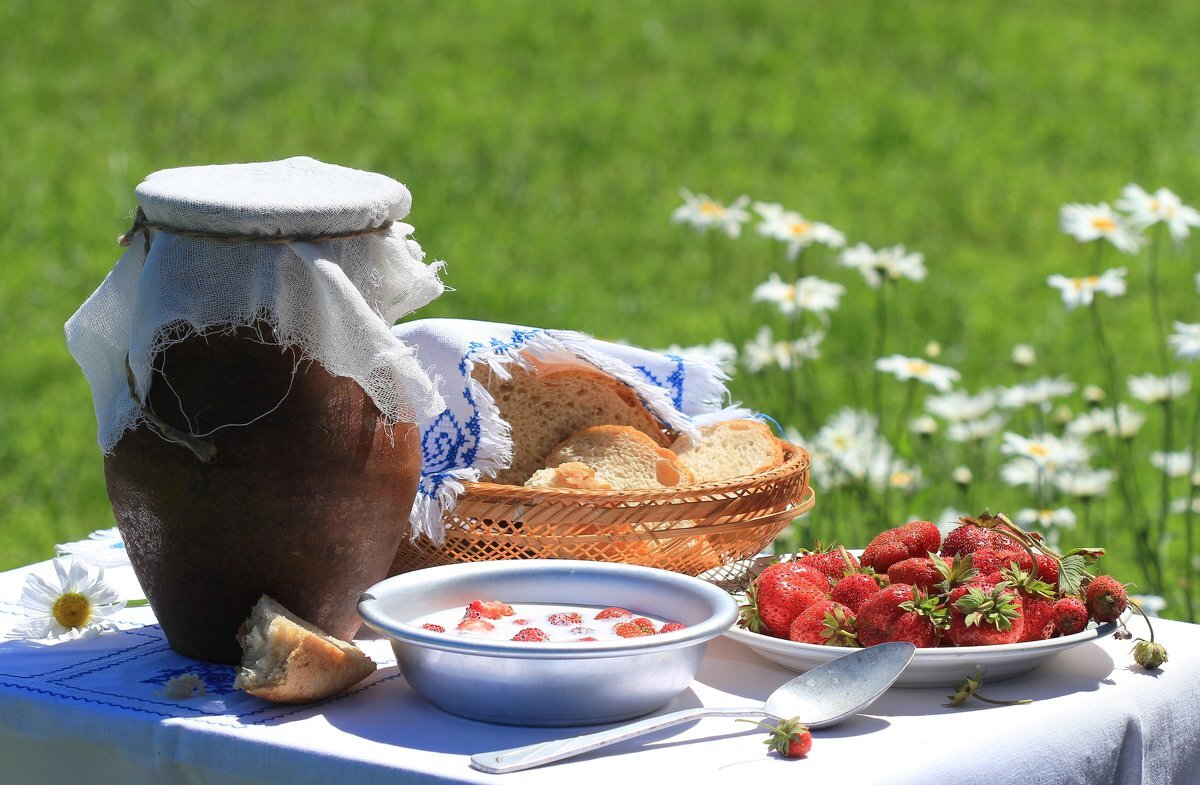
548, 684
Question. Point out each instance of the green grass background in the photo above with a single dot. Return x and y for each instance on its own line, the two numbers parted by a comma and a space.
545, 143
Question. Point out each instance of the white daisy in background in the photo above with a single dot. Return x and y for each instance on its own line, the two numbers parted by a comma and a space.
1094, 395
1046, 450
1185, 341
78, 607
764, 351
976, 430
904, 368
962, 475
1088, 222
719, 352
703, 213
1149, 388
794, 230
807, 294
1152, 604
1061, 517
1082, 291
841, 449
1106, 421
1084, 483
1163, 205
923, 426
1173, 464
1036, 393
1180, 506
887, 264
903, 476
956, 406
1024, 356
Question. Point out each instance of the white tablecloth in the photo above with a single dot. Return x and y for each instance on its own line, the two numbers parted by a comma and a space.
89, 711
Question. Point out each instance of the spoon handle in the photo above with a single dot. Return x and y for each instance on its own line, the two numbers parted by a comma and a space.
519, 758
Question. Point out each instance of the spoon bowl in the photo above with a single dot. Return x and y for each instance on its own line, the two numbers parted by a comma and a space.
823, 696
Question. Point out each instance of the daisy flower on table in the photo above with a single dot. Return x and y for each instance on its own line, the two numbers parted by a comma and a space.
1162, 206
956, 406
807, 294
1173, 464
886, 264
78, 607
1039, 392
1088, 222
904, 368
1149, 388
1185, 341
704, 213
1082, 291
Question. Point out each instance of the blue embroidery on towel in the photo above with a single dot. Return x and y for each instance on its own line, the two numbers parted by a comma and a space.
673, 383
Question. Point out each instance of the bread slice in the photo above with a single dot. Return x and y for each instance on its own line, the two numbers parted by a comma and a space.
545, 406
623, 457
729, 449
287, 660
576, 476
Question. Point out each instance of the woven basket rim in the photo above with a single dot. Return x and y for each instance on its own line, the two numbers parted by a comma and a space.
795, 460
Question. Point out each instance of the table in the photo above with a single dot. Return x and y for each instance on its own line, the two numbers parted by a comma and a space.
89, 711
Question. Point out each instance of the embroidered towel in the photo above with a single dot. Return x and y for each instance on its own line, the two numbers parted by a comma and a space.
467, 439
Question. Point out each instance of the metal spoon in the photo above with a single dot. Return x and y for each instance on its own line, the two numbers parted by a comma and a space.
823, 696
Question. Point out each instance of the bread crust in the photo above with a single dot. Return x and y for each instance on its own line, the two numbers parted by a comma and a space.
730, 449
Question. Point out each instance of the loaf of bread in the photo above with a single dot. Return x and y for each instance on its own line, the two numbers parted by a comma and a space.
287, 660
574, 475
546, 405
623, 457
730, 449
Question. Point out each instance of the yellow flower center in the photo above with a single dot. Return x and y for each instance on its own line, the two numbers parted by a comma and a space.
918, 367
1153, 205
72, 609
789, 294
1104, 224
1085, 283
800, 228
711, 208
1038, 450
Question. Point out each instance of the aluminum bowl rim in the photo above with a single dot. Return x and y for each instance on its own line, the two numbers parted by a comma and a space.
724, 612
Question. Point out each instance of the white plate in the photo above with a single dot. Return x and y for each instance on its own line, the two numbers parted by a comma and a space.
941, 667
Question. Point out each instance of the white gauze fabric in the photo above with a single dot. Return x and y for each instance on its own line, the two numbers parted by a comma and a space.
331, 299
467, 439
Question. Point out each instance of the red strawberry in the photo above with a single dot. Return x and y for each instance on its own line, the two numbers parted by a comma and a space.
470, 625
988, 560
1106, 599
531, 634
904, 542
919, 571
1047, 568
613, 613
780, 594
1070, 616
825, 623
899, 612
1037, 602
969, 538
980, 617
853, 590
833, 563
488, 610
789, 738
565, 619
920, 537
581, 640
671, 626
645, 624
628, 629
433, 627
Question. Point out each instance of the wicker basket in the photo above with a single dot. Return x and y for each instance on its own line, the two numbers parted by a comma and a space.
706, 528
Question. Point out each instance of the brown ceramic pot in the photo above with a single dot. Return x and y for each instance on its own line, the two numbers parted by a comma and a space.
306, 504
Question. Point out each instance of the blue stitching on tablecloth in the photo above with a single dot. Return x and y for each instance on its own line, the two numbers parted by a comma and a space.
107, 655
81, 699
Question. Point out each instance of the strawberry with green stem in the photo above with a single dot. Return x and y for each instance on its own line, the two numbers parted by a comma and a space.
790, 738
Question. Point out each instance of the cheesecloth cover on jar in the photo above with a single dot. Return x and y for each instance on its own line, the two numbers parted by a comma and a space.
315, 252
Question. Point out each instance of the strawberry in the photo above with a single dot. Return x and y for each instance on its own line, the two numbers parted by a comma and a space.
581, 640
834, 563
985, 617
854, 590
470, 625
628, 629
779, 595
531, 634
988, 559
1047, 568
521, 622
899, 612
917, 538
433, 627
645, 624
825, 623
488, 610
1037, 602
1070, 616
671, 626
613, 613
969, 538
1106, 599
789, 738
565, 619
919, 571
